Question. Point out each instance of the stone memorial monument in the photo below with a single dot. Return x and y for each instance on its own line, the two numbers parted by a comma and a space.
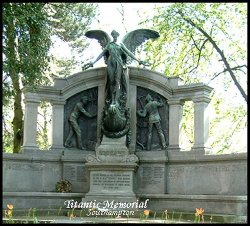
112, 168
116, 137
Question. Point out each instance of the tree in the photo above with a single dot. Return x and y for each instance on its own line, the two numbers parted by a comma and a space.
193, 35
25, 46
27, 32
204, 42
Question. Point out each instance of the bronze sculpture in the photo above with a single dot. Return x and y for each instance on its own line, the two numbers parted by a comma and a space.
151, 109
74, 127
115, 120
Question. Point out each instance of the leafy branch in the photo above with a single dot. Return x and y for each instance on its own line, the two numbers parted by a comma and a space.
221, 53
234, 68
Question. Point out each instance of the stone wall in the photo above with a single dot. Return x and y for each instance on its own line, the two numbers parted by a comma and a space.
173, 179
180, 180
192, 174
184, 173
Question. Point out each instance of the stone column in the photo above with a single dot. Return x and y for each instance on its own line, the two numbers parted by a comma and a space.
175, 116
57, 124
31, 101
132, 106
201, 123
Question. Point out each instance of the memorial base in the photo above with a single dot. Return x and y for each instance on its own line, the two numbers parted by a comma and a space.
111, 174
111, 181
112, 150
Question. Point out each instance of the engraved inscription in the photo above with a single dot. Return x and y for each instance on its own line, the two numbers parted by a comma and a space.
152, 174
69, 173
75, 173
112, 153
29, 167
112, 181
175, 173
81, 174
211, 168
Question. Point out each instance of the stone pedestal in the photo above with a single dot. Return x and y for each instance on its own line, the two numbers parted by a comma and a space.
111, 181
111, 172
113, 150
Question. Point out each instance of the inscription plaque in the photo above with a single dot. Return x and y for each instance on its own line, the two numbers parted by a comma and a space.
151, 179
75, 173
81, 174
111, 181
69, 173
152, 174
26, 167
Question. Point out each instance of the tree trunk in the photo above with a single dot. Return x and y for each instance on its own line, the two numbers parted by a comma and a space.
18, 118
13, 73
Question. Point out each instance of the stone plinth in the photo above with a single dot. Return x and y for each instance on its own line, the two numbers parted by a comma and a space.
111, 181
112, 150
111, 172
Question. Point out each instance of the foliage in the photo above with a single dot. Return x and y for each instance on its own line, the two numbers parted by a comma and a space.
71, 30
25, 46
63, 186
27, 37
228, 125
195, 37
70, 21
44, 125
30, 37
7, 130
205, 42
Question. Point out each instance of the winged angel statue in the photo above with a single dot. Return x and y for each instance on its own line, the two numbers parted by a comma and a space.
115, 118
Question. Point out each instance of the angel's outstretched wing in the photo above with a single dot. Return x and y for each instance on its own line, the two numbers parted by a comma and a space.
135, 38
102, 37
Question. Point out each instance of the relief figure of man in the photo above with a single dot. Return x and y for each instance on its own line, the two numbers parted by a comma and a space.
151, 109
74, 125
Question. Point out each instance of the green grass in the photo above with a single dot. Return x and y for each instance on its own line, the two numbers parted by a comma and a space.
47, 216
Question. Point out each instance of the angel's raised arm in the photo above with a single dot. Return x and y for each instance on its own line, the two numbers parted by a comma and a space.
91, 64
100, 56
103, 38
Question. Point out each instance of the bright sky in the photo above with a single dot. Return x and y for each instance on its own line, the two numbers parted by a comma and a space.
111, 19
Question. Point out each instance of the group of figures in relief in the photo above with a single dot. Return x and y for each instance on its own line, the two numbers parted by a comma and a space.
115, 121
